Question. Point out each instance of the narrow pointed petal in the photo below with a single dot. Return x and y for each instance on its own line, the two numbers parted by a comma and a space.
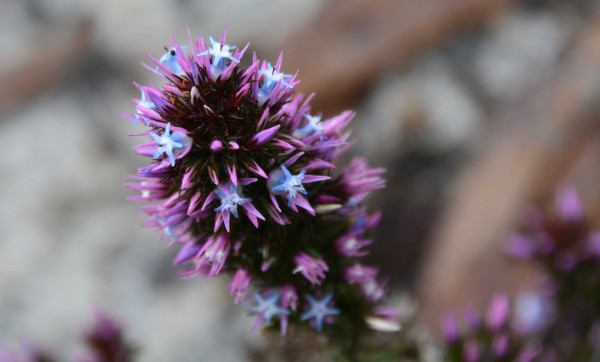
265, 136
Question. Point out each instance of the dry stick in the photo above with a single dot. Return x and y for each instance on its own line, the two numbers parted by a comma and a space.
34, 75
353, 42
465, 262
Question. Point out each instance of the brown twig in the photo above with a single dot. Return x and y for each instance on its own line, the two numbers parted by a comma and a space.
34, 75
354, 41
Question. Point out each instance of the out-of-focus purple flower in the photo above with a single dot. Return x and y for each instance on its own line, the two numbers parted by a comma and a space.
312, 269
289, 298
498, 312
568, 204
495, 340
351, 245
374, 290
471, 351
450, 328
213, 254
240, 284
520, 247
105, 342
358, 273
359, 180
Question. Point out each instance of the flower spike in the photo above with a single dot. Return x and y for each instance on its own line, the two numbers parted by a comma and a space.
225, 139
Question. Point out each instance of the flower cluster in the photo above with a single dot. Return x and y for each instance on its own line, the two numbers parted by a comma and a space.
104, 342
242, 179
566, 247
492, 339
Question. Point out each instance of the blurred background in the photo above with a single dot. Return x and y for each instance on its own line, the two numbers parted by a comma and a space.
476, 107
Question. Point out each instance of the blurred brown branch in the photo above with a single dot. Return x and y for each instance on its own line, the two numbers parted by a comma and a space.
353, 42
532, 147
32, 76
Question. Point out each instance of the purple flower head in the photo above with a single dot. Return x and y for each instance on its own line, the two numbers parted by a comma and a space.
320, 311
242, 179
494, 340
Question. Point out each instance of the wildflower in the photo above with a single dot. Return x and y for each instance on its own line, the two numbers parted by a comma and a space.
351, 245
240, 284
562, 243
226, 140
320, 311
358, 273
214, 254
268, 308
312, 126
495, 340
143, 105
219, 53
289, 298
282, 182
312, 269
272, 77
168, 143
170, 60
230, 199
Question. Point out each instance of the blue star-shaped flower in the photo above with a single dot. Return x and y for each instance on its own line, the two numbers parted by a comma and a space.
313, 126
170, 60
268, 307
167, 143
143, 102
219, 52
319, 310
284, 182
230, 200
272, 77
